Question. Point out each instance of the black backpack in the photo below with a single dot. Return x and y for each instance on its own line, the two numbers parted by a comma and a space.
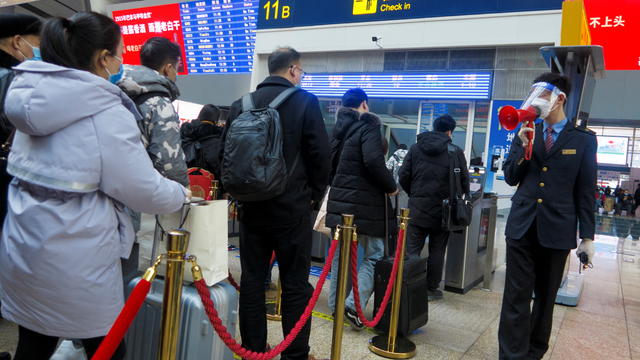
253, 167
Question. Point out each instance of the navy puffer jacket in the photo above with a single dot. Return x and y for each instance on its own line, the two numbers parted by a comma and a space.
361, 177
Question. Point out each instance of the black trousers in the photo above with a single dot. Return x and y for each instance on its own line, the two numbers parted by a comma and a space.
438, 240
292, 245
35, 346
524, 332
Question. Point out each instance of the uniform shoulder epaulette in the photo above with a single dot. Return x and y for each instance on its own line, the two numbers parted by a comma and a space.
585, 130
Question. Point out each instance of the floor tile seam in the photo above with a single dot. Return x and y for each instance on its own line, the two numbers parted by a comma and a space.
624, 308
482, 333
553, 348
592, 312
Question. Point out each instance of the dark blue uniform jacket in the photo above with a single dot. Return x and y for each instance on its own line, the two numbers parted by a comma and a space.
555, 189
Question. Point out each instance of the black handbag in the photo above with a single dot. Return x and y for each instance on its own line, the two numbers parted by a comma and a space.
457, 209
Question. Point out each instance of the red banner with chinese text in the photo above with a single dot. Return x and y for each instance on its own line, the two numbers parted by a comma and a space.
615, 25
139, 25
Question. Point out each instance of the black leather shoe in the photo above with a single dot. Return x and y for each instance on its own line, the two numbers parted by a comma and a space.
5, 356
434, 295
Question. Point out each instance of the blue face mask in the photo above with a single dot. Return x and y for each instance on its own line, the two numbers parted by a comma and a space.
36, 52
114, 78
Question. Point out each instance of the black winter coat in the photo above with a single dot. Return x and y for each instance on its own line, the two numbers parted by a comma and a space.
201, 145
304, 132
424, 175
6, 128
361, 177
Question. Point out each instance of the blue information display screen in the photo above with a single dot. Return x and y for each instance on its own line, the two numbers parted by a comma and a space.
219, 35
476, 86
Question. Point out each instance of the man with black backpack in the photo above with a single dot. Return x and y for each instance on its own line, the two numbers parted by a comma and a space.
275, 162
425, 175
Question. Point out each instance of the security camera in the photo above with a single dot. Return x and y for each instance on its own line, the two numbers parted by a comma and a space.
376, 40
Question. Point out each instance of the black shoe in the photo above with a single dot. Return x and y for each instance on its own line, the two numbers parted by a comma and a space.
353, 319
434, 294
5, 356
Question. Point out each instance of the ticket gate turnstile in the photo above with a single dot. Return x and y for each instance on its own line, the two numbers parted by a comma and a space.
470, 252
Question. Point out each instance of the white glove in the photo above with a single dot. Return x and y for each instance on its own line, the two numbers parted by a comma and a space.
586, 247
522, 134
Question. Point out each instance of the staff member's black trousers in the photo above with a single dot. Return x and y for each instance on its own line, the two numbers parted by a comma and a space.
292, 245
524, 332
438, 239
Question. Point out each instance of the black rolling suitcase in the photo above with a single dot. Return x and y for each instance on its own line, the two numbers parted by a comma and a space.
414, 308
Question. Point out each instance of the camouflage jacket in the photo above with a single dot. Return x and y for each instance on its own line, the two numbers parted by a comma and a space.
160, 126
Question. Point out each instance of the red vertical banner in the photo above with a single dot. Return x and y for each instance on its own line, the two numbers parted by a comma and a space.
615, 25
139, 25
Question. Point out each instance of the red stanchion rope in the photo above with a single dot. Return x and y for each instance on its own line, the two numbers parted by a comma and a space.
233, 282
212, 313
122, 323
387, 293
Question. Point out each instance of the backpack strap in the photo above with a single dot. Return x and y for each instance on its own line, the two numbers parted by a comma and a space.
455, 181
454, 173
142, 98
282, 97
247, 103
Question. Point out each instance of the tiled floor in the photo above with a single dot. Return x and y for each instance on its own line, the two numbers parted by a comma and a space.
604, 325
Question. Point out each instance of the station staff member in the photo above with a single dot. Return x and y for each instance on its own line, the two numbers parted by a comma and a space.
554, 198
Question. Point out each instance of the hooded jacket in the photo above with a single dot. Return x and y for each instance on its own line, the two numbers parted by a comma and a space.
77, 159
160, 125
424, 175
361, 177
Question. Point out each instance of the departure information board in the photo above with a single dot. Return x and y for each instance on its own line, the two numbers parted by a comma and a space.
403, 86
219, 35
216, 36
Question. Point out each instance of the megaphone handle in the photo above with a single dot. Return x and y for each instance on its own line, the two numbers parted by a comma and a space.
530, 135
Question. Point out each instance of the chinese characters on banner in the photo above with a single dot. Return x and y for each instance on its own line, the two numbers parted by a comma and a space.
615, 25
139, 25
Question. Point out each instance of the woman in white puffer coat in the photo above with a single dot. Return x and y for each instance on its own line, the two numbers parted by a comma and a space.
77, 159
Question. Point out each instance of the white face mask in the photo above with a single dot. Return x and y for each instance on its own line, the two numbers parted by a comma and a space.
542, 97
543, 105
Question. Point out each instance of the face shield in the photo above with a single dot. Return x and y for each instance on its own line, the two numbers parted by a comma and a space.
542, 98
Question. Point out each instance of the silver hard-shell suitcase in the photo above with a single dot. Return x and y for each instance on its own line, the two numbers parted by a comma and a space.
198, 340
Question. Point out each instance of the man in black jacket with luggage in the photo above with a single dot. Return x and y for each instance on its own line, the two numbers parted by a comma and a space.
360, 185
554, 198
283, 224
424, 175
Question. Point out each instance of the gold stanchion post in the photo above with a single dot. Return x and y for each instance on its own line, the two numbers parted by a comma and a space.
344, 234
392, 346
274, 310
177, 242
213, 194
